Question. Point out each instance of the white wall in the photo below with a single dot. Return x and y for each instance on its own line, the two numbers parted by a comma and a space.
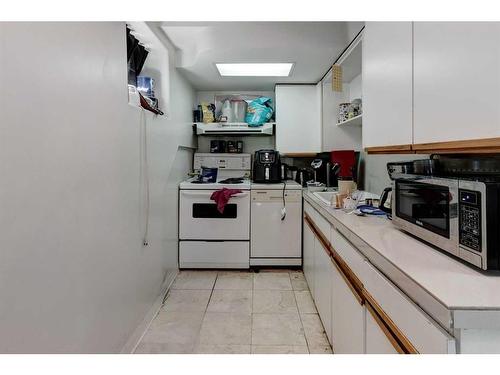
355, 91
338, 137
375, 170
74, 276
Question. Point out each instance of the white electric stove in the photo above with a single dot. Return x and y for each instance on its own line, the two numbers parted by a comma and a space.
222, 182
208, 238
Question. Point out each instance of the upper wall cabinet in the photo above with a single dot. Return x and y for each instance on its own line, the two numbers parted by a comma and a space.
298, 119
456, 82
339, 133
387, 85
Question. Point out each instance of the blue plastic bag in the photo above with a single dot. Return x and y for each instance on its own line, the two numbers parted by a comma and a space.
259, 111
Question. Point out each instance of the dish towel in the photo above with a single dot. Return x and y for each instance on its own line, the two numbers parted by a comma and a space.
221, 197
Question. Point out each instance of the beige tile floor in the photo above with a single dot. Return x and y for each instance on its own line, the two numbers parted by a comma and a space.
233, 312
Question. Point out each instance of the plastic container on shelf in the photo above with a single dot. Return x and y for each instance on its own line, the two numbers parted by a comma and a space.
239, 110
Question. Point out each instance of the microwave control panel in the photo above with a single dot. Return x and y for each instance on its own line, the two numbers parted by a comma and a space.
470, 219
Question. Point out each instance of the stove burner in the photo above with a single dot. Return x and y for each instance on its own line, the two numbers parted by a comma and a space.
232, 180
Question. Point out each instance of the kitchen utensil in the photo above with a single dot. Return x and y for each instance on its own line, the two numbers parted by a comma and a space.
316, 165
267, 166
385, 200
397, 168
331, 173
303, 175
284, 170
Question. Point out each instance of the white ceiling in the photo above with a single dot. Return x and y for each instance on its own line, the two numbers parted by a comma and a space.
312, 46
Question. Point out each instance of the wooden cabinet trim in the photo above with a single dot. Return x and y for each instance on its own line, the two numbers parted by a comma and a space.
403, 341
349, 277
324, 241
356, 293
385, 329
395, 149
346, 271
473, 146
360, 292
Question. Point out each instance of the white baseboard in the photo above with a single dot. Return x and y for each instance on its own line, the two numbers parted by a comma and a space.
136, 336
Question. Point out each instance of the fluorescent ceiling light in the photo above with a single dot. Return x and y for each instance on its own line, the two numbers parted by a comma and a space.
255, 69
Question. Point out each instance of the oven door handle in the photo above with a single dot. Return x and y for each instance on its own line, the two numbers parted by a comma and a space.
209, 193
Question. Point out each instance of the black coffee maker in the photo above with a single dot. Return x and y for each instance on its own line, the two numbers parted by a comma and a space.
267, 166
324, 170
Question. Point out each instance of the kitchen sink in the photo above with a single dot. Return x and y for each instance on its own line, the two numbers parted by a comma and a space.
326, 196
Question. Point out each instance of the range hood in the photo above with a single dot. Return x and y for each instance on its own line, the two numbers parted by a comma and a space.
233, 128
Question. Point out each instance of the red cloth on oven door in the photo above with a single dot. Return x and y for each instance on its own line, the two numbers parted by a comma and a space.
221, 197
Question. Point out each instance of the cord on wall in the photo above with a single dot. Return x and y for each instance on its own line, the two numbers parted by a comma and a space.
144, 130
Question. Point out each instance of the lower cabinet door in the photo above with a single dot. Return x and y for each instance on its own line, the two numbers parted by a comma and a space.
308, 255
323, 285
377, 341
348, 318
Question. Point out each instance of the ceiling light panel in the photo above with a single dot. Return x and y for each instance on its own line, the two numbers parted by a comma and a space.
255, 69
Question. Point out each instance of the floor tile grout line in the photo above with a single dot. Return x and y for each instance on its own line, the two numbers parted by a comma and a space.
251, 315
297, 310
197, 341
301, 322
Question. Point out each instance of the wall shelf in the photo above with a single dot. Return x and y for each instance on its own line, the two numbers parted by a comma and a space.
355, 121
235, 128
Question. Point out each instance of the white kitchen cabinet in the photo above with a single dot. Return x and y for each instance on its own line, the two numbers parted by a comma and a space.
298, 118
376, 340
456, 81
419, 329
323, 284
341, 137
348, 317
308, 256
347, 134
387, 84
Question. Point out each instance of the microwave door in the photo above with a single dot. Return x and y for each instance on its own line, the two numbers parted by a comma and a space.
430, 205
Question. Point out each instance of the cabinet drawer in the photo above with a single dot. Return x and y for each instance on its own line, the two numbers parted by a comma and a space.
319, 221
349, 254
219, 254
422, 332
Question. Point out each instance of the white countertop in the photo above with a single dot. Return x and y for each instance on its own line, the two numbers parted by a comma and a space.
290, 185
454, 284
